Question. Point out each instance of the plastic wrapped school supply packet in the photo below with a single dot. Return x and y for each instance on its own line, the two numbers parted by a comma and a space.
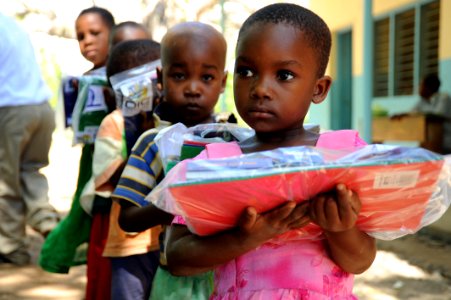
90, 108
178, 142
402, 189
135, 88
69, 91
136, 94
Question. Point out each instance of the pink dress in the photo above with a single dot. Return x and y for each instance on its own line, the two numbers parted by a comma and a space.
288, 269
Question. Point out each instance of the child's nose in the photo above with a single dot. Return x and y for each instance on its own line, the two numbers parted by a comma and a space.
261, 88
89, 38
192, 89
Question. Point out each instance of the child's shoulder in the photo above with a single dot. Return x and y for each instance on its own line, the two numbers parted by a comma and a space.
148, 137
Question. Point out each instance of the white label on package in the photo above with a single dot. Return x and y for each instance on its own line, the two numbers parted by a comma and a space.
95, 100
393, 180
138, 96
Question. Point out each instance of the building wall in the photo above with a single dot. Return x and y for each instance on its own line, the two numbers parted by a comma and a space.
351, 16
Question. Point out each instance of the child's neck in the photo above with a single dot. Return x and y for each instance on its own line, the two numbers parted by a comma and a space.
209, 119
271, 140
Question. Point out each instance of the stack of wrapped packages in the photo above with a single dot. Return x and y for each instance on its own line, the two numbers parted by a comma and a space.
402, 189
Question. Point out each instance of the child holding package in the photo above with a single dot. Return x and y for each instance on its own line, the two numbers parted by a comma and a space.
192, 76
281, 56
134, 256
63, 246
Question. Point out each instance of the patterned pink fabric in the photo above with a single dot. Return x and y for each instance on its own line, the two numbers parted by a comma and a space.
294, 269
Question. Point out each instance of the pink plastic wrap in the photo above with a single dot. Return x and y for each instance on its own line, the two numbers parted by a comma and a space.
401, 189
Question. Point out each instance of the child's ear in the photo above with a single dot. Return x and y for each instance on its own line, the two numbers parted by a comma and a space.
224, 81
159, 77
321, 89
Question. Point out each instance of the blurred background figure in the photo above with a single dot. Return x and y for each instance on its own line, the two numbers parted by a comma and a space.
26, 125
128, 30
434, 103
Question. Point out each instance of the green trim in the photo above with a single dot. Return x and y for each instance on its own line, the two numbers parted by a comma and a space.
400, 9
368, 49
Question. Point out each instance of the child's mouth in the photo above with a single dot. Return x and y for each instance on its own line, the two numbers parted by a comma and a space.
260, 114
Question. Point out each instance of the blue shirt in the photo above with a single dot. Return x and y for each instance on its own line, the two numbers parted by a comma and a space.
20, 75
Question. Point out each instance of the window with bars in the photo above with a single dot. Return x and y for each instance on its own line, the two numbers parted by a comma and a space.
430, 16
381, 57
405, 52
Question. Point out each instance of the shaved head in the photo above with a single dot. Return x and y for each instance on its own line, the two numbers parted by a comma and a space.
195, 34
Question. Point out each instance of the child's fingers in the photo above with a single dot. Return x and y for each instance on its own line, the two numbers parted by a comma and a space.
316, 210
331, 210
248, 219
300, 222
299, 212
281, 212
344, 199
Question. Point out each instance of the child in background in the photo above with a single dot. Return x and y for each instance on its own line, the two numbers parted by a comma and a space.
130, 30
134, 256
62, 247
193, 60
127, 31
93, 27
281, 56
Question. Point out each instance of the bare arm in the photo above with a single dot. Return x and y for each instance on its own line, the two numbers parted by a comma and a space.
136, 219
189, 254
351, 249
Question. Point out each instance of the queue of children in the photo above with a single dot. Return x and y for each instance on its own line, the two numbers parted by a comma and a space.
281, 57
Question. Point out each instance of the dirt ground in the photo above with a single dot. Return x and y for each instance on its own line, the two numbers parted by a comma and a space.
414, 267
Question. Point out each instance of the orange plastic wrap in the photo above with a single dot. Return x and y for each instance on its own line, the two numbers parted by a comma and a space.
401, 189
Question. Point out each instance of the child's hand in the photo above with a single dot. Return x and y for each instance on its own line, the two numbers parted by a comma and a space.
259, 228
335, 212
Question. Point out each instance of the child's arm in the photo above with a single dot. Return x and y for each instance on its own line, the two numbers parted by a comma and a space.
189, 254
133, 218
350, 248
138, 178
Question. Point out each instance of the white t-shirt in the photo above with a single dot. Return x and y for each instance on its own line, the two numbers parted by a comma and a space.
20, 75
439, 104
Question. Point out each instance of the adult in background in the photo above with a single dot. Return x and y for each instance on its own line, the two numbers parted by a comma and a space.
26, 126
433, 102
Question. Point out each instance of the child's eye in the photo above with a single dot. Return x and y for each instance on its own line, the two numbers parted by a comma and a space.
178, 76
285, 75
244, 72
95, 33
80, 37
207, 77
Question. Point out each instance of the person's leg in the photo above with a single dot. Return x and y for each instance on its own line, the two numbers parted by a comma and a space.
132, 276
41, 216
14, 129
98, 267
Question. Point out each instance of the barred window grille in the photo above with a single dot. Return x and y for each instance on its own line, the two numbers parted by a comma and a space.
430, 16
404, 52
412, 55
381, 57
